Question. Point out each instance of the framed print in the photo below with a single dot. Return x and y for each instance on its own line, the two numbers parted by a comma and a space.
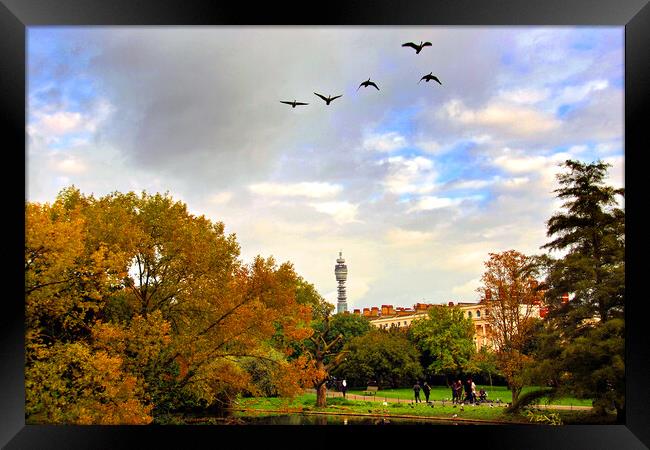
240, 220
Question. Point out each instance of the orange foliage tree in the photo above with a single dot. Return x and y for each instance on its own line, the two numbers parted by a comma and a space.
512, 297
153, 298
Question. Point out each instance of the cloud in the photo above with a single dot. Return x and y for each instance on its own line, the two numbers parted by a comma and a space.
220, 198
524, 96
523, 164
409, 175
304, 189
515, 119
386, 142
467, 289
342, 212
574, 94
398, 237
430, 202
70, 165
58, 123
52, 126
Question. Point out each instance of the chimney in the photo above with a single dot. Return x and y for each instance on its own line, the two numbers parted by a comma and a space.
391, 311
357, 312
450, 304
374, 311
366, 311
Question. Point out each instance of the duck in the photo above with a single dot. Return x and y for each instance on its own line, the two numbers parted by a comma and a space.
430, 77
416, 47
328, 99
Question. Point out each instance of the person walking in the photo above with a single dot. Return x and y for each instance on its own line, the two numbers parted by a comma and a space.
416, 390
427, 390
459, 391
473, 390
344, 387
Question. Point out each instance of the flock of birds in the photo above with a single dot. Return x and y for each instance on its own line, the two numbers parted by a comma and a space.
329, 99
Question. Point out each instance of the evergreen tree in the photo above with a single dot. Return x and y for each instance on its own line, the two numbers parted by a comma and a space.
581, 351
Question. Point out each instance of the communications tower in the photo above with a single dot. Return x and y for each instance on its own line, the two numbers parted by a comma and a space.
341, 272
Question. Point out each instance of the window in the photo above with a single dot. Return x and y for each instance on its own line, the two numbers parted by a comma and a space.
469, 314
478, 313
405, 323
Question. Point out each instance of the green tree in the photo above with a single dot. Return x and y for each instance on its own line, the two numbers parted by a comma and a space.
390, 359
446, 339
582, 349
321, 355
485, 363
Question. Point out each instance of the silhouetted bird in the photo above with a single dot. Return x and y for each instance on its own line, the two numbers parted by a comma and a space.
367, 83
293, 103
430, 77
416, 47
329, 99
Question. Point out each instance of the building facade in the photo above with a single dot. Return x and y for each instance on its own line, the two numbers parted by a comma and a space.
388, 317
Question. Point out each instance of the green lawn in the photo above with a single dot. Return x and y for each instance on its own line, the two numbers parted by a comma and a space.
307, 403
444, 393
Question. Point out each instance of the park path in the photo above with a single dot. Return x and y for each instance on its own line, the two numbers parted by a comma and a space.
383, 398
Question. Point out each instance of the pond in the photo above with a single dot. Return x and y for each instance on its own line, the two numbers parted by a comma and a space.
323, 419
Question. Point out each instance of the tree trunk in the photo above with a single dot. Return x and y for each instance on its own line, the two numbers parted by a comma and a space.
490, 377
321, 396
515, 394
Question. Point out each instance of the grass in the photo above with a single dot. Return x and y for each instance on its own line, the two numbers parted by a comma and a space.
444, 393
306, 403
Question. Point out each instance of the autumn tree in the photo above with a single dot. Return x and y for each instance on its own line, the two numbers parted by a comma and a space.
153, 297
581, 352
445, 337
67, 280
512, 297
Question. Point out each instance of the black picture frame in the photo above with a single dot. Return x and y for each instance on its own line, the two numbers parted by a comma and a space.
17, 15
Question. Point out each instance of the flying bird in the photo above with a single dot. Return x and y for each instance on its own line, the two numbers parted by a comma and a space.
328, 99
293, 103
430, 77
416, 47
368, 83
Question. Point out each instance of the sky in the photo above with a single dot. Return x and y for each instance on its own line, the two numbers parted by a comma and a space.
415, 183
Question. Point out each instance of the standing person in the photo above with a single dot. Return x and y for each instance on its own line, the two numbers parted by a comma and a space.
468, 390
344, 387
454, 392
416, 390
459, 391
473, 390
427, 390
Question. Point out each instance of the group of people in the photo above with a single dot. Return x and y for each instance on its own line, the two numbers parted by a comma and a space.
425, 388
338, 385
469, 387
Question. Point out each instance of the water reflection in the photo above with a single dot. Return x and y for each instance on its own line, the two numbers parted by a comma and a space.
304, 419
